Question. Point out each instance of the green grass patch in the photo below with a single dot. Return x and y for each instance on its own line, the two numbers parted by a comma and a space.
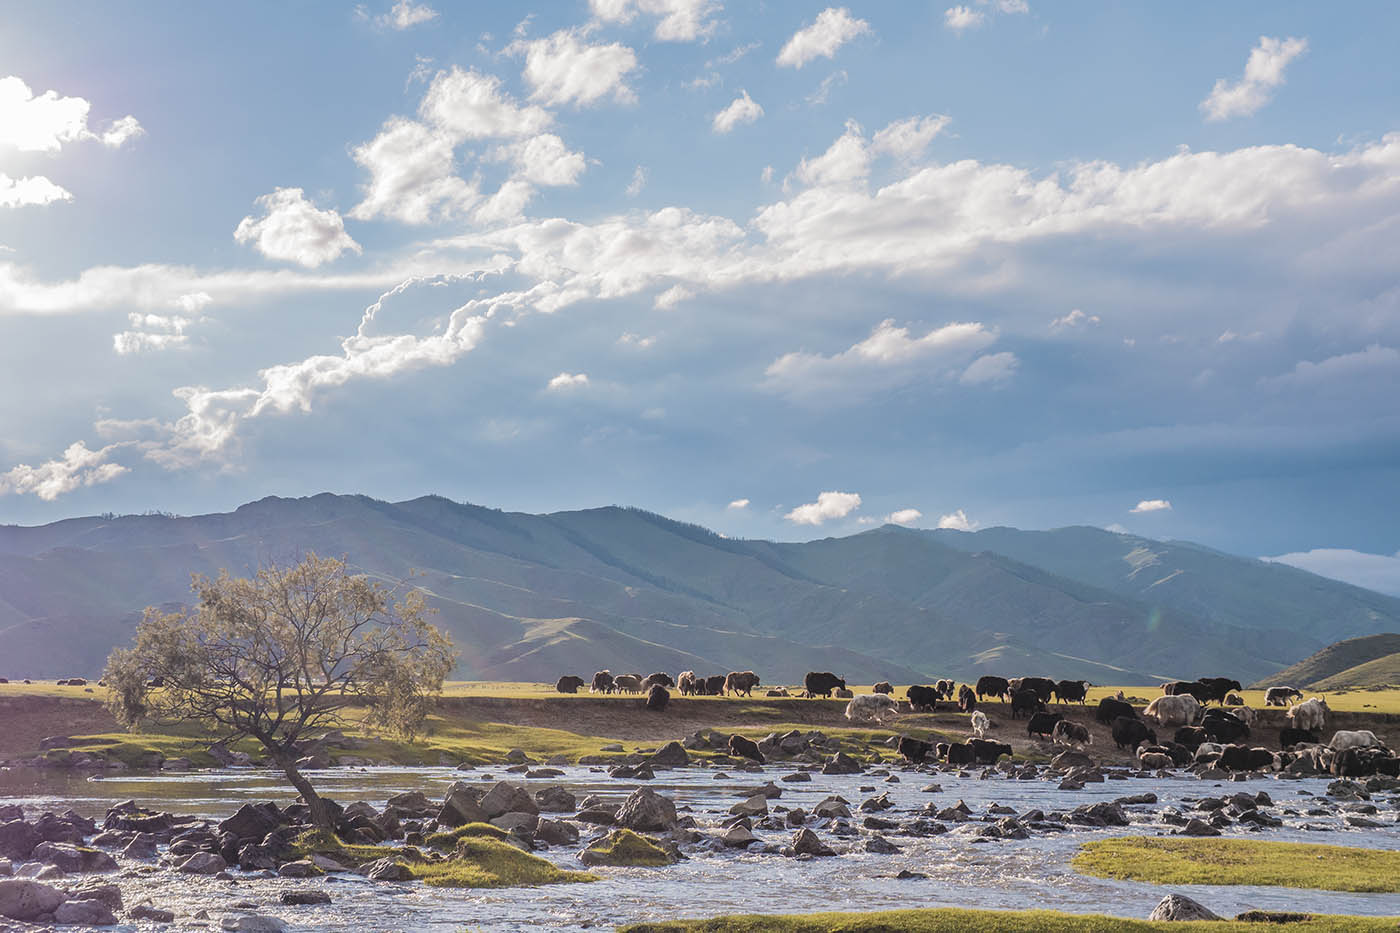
1241, 861
955, 920
446, 842
624, 848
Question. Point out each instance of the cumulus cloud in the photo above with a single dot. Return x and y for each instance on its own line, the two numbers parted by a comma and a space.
466, 104
636, 340
78, 467
48, 122
1151, 505
31, 190
293, 230
566, 381
1379, 572
156, 331
992, 369
959, 18
677, 20
405, 14
904, 517
564, 68
908, 138
833, 28
741, 110
957, 521
1263, 72
545, 160
829, 506
1075, 318
412, 175
738, 505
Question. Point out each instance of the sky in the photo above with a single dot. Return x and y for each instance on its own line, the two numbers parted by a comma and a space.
786, 270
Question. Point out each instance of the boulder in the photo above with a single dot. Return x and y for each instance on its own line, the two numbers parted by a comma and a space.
201, 863
109, 894
154, 914
555, 800
304, 896
303, 868
1198, 827
670, 755
841, 763
738, 837
18, 839
556, 833
256, 857
646, 811
880, 845
253, 923
507, 798
413, 800
388, 869
757, 805
1070, 759
89, 912
73, 859
832, 807
1180, 907
252, 821
24, 900
461, 805
806, 842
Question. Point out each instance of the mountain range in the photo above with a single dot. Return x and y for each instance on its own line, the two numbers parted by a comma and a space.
531, 597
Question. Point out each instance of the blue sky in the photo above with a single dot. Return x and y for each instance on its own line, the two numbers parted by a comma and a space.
785, 270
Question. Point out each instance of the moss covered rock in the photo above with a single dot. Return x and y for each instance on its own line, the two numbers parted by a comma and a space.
626, 848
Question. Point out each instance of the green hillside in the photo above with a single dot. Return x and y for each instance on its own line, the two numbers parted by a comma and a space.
1382, 672
1331, 662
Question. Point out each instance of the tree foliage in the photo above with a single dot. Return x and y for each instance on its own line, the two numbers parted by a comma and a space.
282, 654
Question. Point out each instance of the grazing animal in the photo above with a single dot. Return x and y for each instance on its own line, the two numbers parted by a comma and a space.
1279, 696
569, 684
882, 687
843, 693
822, 683
1209, 751
1127, 733
657, 698
1224, 729
688, 684
1042, 724
922, 699
1360, 738
658, 678
874, 706
945, 689
1173, 710
780, 692
714, 686
1071, 733
1071, 691
967, 699
980, 724
602, 682
1191, 737
1218, 688
1244, 758
740, 683
1110, 709
1234, 699
1245, 714
1157, 760
989, 686
1044, 687
914, 750
1025, 701
1310, 714
627, 683
745, 748
988, 752
1192, 688
961, 753
1288, 737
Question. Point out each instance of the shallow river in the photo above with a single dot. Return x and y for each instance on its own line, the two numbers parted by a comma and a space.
1000, 874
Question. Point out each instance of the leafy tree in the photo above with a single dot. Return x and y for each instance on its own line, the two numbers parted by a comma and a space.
281, 655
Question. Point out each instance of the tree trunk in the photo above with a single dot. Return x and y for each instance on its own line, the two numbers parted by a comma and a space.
320, 814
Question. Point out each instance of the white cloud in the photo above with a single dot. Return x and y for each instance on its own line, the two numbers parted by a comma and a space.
292, 229
31, 190
1379, 572
1075, 318
833, 28
741, 110
1151, 505
738, 505
466, 104
564, 69
846, 161
51, 479
1262, 73
545, 160
819, 97
957, 521
903, 517
47, 122
829, 505
992, 369
679, 20
153, 332
412, 175
565, 381
908, 138
959, 18
508, 203
1368, 363
638, 182
636, 340
405, 14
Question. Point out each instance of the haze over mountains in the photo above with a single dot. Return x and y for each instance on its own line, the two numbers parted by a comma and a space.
530, 597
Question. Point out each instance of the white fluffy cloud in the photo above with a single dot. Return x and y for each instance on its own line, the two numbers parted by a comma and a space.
153, 332
545, 160
678, 20
1379, 572
833, 28
564, 68
412, 175
1262, 74
78, 467
1151, 505
47, 122
908, 138
466, 104
638, 182
293, 230
566, 381
741, 110
959, 18
992, 369
405, 14
904, 517
1075, 318
31, 190
957, 521
829, 506
738, 505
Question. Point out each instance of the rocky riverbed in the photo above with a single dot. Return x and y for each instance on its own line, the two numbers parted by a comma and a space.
211, 848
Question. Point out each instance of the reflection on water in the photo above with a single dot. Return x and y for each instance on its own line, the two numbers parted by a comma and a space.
961, 872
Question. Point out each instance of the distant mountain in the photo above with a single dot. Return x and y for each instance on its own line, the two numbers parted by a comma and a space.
529, 597
1349, 663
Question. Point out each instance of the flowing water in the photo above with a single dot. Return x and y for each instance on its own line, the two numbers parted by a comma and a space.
1000, 874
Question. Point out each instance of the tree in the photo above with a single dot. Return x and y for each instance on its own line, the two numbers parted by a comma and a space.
281, 655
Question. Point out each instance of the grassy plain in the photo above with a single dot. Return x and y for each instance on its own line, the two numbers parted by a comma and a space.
1241, 861
954, 920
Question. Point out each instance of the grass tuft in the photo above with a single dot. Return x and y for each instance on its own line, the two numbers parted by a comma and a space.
624, 848
446, 842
